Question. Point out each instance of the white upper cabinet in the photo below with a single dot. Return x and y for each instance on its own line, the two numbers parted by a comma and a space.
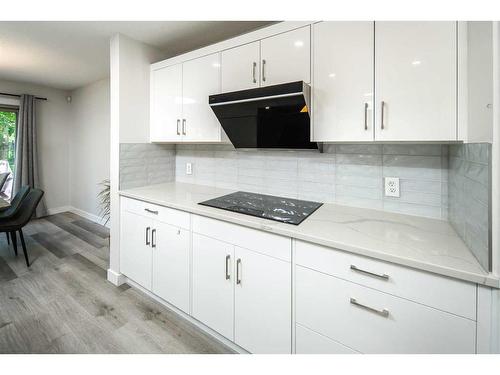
286, 57
201, 78
179, 101
166, 104
343, 81
241, 67
415, 81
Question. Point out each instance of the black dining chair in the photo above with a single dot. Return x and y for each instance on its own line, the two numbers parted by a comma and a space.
11, 210
17, 222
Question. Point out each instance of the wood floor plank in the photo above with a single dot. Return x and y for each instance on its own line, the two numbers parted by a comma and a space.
6, 273
64, 304
77, 231
92, 227
54, 244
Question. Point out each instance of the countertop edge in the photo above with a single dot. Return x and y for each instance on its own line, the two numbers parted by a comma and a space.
486, 280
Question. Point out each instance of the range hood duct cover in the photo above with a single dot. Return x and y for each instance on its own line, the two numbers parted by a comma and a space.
266, 117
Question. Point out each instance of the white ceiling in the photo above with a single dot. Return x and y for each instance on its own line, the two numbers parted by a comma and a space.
67, 55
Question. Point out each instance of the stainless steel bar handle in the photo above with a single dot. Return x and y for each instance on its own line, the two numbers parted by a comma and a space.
228, 258
382, 107
383, 312
147, 235
178, 124
263, 69
184, 126
366, 116
153, 238
151, 211
254, 69
377, 275
238, 277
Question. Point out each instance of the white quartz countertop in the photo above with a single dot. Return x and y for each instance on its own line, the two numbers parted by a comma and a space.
426, 244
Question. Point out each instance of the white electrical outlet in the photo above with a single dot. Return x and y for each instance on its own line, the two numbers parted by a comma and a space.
392, 187
189, 168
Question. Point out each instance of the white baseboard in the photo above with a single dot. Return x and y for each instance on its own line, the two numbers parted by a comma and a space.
189, 318
87, 215
115, 278
58, 210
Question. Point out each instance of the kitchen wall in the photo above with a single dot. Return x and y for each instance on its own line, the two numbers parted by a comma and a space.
89, 146
470, 197
349, 174
53, 117
146, 164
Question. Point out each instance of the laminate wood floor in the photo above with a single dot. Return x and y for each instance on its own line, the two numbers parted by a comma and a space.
63, 303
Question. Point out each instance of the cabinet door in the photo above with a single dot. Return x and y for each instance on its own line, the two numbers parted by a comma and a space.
201, 78
166, 104
241, 67
343, 81
213, 302
286, 57
415, 81
135, 250
171, 265
262, 318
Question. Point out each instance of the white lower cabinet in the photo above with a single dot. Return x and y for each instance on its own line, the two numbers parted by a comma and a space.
370, 321
262, 300
240, 284
135, 251
171, 265
245, 295
213, 291
154, 250
310, 342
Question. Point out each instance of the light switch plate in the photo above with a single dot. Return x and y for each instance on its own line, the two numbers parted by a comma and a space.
189, 168
392, 187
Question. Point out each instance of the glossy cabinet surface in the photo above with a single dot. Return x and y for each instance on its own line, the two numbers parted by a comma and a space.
310, 342
213, 284
241, 67
370, 321
238, 281
262, 296
136, 254
179, 110
343, 81
171, 265
201, 78
415, 81
286, 57
166, 104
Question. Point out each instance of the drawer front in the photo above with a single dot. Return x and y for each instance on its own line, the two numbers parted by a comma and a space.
370, 321
160, 213
265, 243
310, 342
455, 296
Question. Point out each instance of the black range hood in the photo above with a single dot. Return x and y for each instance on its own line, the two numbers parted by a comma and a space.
266, 117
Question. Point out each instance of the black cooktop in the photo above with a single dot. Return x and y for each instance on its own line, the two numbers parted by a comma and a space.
286, 210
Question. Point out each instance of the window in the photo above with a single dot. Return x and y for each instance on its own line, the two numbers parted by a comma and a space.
8, 123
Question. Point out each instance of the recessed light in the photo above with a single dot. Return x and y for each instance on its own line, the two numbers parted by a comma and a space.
299, 43
216, 65
332, 75
416, 62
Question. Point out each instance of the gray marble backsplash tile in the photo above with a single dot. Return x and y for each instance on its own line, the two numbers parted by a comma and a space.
144, 164
469, 197
350, 174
